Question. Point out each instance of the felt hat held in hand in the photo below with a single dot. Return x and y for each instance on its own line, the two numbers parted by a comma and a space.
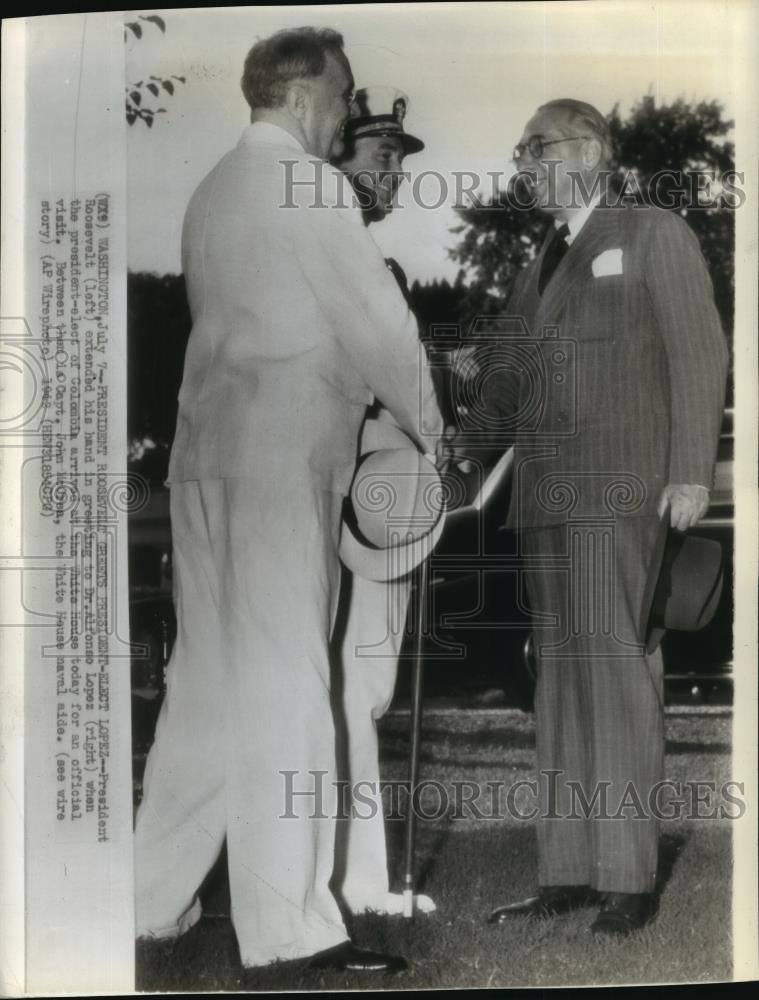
683, 587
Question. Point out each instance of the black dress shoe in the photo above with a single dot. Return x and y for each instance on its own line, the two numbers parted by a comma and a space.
346, 957
624, 913
550, 900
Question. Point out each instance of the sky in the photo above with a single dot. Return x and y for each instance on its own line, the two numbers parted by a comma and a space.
474, 72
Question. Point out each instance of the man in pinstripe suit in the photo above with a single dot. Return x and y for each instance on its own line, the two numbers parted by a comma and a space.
616, 418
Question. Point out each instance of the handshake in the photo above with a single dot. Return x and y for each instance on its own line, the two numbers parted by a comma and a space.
463, 448
451, 450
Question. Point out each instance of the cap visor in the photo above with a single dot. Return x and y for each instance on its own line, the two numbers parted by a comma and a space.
411, 144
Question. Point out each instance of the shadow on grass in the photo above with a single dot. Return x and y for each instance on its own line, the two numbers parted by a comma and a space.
467, 874
671, 846
468, 871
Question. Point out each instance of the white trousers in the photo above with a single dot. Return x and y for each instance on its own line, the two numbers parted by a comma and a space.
246, 717
372, 642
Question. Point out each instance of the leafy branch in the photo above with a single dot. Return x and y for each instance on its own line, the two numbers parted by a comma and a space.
136, 28
136, 93
140, 95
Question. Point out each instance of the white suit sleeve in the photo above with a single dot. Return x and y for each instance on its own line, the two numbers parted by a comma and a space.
361, 301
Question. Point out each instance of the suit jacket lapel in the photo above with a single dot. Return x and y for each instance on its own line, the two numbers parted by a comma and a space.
602, 224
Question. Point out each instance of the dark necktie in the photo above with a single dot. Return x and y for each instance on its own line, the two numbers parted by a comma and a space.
551, 258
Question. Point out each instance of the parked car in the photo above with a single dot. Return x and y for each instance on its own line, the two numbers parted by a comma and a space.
478, 639
480, 630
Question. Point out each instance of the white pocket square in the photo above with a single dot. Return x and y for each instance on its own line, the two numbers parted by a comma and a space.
608, 262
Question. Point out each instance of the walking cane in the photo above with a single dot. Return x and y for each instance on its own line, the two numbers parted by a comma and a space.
417, 685
417, 678
500, 472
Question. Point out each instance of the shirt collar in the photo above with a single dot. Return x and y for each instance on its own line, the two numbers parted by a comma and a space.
268, 134
579, 219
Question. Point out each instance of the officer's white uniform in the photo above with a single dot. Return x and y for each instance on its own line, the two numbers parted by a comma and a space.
369, 658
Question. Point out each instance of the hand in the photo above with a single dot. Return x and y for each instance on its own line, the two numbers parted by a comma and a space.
444, 451
688, 503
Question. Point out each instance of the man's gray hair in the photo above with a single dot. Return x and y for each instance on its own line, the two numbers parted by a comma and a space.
585, 118
290, 54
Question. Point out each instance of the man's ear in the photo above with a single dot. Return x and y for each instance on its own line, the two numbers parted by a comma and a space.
592, 152
297, 100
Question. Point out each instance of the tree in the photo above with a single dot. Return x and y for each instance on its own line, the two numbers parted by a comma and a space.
154, 87
688, 140
158, 328
499, 239
436, 303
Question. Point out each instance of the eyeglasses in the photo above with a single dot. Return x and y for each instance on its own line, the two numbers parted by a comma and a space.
536, 144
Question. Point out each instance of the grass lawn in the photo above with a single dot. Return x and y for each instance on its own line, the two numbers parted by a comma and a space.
469, 865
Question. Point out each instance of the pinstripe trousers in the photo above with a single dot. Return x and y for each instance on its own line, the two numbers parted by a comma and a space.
598, 704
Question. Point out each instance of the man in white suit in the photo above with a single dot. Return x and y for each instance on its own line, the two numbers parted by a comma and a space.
297, 326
